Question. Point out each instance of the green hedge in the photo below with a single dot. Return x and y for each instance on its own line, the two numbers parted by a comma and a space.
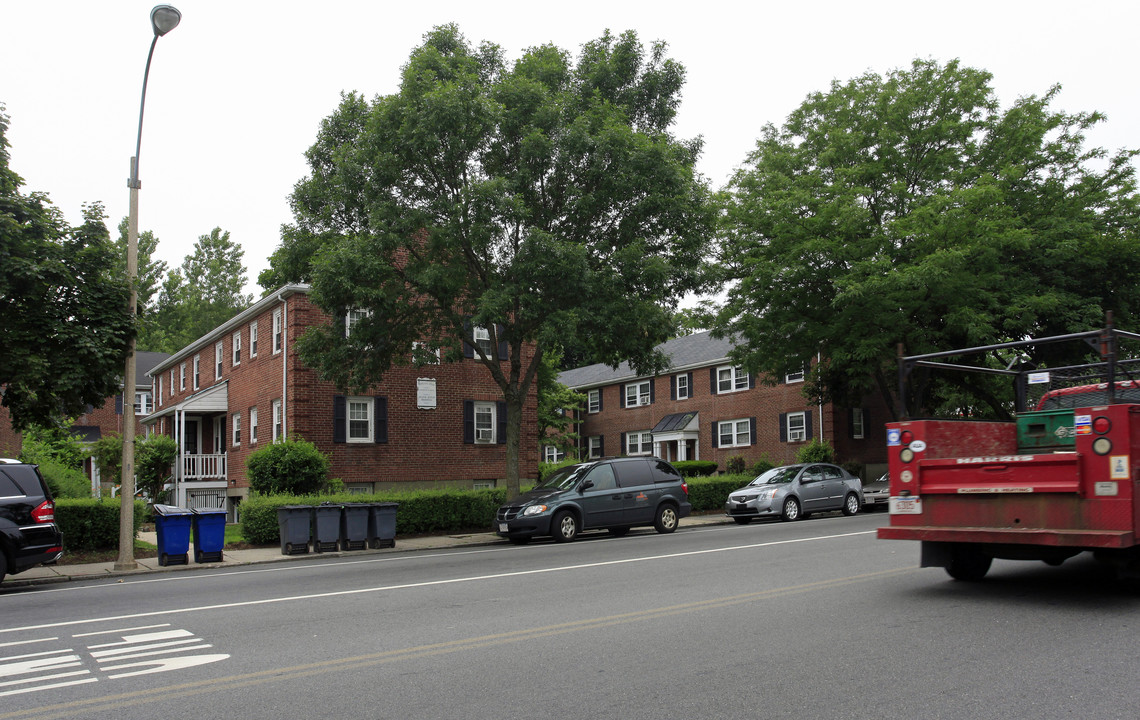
93, 524
695, 468
710, 493
420, 511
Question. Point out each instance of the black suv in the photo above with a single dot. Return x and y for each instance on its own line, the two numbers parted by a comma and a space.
612, 493
28, 533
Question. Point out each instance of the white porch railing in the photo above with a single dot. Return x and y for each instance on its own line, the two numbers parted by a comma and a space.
204, 467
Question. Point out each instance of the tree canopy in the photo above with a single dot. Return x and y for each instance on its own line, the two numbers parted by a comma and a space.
909, 208
545, 201
66, 320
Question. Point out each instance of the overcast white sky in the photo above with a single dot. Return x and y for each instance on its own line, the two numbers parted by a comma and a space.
238, 90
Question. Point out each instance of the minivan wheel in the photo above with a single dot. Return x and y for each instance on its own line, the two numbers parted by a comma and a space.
791, 510
564, 526
851, 505
666, 520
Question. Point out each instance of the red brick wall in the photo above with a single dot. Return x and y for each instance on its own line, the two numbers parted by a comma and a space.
424, 446
10, 440
763, 402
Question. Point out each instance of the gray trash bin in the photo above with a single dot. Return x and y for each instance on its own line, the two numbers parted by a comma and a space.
382, 524
295, 523
326, 527
354, 526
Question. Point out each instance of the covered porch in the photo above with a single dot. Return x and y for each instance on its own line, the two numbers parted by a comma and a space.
198, 424
677, 437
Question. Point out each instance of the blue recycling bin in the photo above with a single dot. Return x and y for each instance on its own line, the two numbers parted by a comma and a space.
172, 525
209, 534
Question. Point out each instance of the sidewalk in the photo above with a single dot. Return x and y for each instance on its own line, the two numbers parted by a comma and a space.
231, 558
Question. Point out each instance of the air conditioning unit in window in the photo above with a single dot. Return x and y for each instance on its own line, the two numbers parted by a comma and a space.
645, 401
484, 435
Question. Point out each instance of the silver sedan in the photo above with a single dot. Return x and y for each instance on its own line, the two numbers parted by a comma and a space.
793, 492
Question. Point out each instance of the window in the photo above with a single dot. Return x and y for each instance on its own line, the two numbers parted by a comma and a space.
731, 378
796, 426
253, 426
552, 454
182, 377
277, 338
734, 433
637, 393
484, 423
277, 421
253, 339
159, 389
682, 381
482, 338
594, 401
424, 355
359, 419
197, 368
236, 343
237, 429
857, 430
595, 447
795, 377
352, 318
639, 443
218, 360
143, 404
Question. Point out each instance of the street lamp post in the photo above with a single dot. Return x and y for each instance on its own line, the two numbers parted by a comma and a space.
163, 19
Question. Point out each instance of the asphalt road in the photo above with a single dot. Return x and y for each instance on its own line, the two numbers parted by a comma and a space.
815, 619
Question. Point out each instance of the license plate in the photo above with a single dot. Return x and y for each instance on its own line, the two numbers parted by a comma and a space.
906, 506
502, 527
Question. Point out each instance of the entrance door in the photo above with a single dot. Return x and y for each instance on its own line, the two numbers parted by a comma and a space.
190, 442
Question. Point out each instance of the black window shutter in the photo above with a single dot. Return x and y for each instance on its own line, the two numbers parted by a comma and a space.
751, 431
652, 390
715, 434
691, 390
339, 319
751, 380
468, 341
468, 422
340, 418
712, 380
501, 417
624, 447
503, 350
783, 427
380, 411
621, 396
119, 404
807, 423
672, 387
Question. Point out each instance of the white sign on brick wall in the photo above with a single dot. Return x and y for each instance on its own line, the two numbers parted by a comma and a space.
425, 393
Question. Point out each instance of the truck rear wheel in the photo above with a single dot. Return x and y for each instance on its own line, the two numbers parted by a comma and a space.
968, 564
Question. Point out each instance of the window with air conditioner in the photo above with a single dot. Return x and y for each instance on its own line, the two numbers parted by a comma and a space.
484, 423
637, 393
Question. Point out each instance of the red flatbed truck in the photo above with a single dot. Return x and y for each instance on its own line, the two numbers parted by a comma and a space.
1047, 486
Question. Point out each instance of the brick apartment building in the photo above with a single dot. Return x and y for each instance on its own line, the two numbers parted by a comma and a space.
243, 385
706, 408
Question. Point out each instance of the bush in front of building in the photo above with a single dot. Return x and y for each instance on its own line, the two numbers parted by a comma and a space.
708, 494
91, 524
419, 511
695, 468
64, 481
293, 466
816, 451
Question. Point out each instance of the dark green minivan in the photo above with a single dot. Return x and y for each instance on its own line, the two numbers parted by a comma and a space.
614, 494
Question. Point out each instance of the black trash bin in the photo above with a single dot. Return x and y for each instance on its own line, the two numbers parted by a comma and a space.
326, 527
209, 527
382, 524
354, 526
295, 523
172, 525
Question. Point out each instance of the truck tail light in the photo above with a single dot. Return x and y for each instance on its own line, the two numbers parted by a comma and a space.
44, 512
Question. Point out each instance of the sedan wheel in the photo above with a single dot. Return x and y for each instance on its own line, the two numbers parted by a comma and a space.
791, 510
851, 505
565, 526
666, 520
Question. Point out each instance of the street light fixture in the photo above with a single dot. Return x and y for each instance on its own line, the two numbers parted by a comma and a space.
163, 19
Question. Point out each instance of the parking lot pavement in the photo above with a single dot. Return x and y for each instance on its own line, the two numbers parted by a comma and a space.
268, 554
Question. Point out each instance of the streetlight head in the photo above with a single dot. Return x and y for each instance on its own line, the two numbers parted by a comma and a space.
164, 18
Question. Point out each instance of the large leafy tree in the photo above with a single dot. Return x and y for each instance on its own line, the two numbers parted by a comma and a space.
64, 318
545, 201
203, 293
909, 208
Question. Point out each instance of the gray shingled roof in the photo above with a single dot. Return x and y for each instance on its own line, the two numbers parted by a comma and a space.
685, 352
144, 361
